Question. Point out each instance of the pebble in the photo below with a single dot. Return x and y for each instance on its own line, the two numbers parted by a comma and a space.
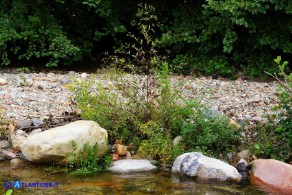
4, 144
3, 81
71, 73
36, 122
47, 95
7, 154
3, 92
16, 161
24, 124
83, 75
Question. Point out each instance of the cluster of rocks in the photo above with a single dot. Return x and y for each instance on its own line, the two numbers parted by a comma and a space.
40, 95
62, 144
120, 151
33, 98
34, 95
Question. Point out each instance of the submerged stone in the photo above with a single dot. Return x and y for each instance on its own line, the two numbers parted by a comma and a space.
131, 166
197, 165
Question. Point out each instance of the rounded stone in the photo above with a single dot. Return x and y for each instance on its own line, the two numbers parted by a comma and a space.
16, 162
4, 144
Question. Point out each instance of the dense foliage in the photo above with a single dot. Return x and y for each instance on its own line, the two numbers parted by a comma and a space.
274, 139
206, 35
150, 112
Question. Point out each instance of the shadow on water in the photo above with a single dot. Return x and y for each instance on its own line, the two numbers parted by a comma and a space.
109, 183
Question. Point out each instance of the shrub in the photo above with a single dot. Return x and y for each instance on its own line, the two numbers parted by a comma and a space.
279, 143
126, 103
159, 143
149, 112
268, 143
86, 161
210, 133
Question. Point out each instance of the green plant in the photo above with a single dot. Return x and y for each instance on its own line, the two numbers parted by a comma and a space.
209, 132
283, 131
23, 82
23, 70
86, 161
149, 111
139, 54
158, 146
9, 192
268, 143
4, 122
209, 65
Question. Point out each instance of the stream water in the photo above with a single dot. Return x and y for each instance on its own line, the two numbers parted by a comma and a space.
160, 182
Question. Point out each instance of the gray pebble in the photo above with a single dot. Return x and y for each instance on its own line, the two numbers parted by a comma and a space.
24, 124
36, 122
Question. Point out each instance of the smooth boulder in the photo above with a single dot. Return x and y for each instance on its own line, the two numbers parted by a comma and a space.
272, 173
195, 164
55, 145
131, 166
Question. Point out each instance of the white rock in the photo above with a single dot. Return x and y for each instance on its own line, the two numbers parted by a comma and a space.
54, 145
83, 75
177, 140
131, 166
197, 165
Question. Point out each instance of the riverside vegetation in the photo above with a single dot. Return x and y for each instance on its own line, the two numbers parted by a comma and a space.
149, 140
206, 36
87, 161
150, 114
275, 140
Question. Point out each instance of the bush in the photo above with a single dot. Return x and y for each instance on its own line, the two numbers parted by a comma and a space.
268, 143
87, 162
274, 139
279, 143
149, 112
158, 145
209, 132
125, 103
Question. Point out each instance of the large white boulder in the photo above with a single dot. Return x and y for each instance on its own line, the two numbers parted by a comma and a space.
195, 164
55, 145
131, 166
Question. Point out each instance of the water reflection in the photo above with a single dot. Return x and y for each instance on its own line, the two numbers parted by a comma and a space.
106, 183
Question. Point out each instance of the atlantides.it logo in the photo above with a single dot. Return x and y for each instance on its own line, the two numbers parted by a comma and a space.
18, 184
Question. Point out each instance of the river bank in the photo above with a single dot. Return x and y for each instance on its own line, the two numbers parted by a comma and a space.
40, 95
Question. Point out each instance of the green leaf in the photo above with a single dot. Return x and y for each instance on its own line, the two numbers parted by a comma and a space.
285, 63
278, 60
9, 192
257, 146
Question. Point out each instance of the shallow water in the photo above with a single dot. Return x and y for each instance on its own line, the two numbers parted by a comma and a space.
160, 182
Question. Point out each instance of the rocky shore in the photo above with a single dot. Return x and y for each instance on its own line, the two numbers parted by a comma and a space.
30, 98
40, 95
